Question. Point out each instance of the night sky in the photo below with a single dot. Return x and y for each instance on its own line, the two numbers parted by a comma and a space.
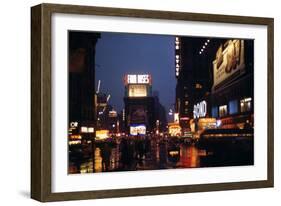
118, 54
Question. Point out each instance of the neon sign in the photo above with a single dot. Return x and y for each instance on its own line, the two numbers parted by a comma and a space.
200, 109
138, 79
138, 130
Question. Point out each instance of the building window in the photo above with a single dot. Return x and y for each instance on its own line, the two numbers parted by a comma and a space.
233, 107
223, 110
246, 104
215, 112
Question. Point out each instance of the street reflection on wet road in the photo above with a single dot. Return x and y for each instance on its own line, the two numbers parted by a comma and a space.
146, 154
161, 155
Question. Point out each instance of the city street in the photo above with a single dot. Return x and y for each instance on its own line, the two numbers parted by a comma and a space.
130, 155
166, 102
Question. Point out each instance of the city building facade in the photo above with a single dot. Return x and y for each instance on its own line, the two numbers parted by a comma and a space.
215, 83
81, 81
139, 104
193, 77
233, 84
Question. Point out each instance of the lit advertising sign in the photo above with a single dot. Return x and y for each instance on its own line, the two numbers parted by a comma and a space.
138, 79
143, 79
137, 129
200, 110
177, 63
87, 130
137, 90
228, 60
207, 123
73, 124
131, 79
176, 117
112, 113
102, 134
174, 129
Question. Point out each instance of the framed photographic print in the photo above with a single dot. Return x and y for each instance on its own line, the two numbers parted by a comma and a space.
132, 102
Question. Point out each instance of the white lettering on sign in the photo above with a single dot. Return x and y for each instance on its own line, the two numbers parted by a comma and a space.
200, 110
132, 79
143, 79
138, 79
73, 124
139, 129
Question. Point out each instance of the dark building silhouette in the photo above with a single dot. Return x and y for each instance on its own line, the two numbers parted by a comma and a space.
81, 77
193, 76
160, 113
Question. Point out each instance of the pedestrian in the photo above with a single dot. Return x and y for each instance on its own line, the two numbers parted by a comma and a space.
162, 154
105, 155
139, 148
147, 145
124, 153
131, 154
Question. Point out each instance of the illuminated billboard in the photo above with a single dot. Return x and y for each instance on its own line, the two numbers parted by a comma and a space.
137, 129
200, 109
176, 117
102, 134
229, 60
207, 123
137, 79
87, 129
174, 129
137, 90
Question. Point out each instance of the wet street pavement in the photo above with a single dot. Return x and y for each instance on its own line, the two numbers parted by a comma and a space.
130, 155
